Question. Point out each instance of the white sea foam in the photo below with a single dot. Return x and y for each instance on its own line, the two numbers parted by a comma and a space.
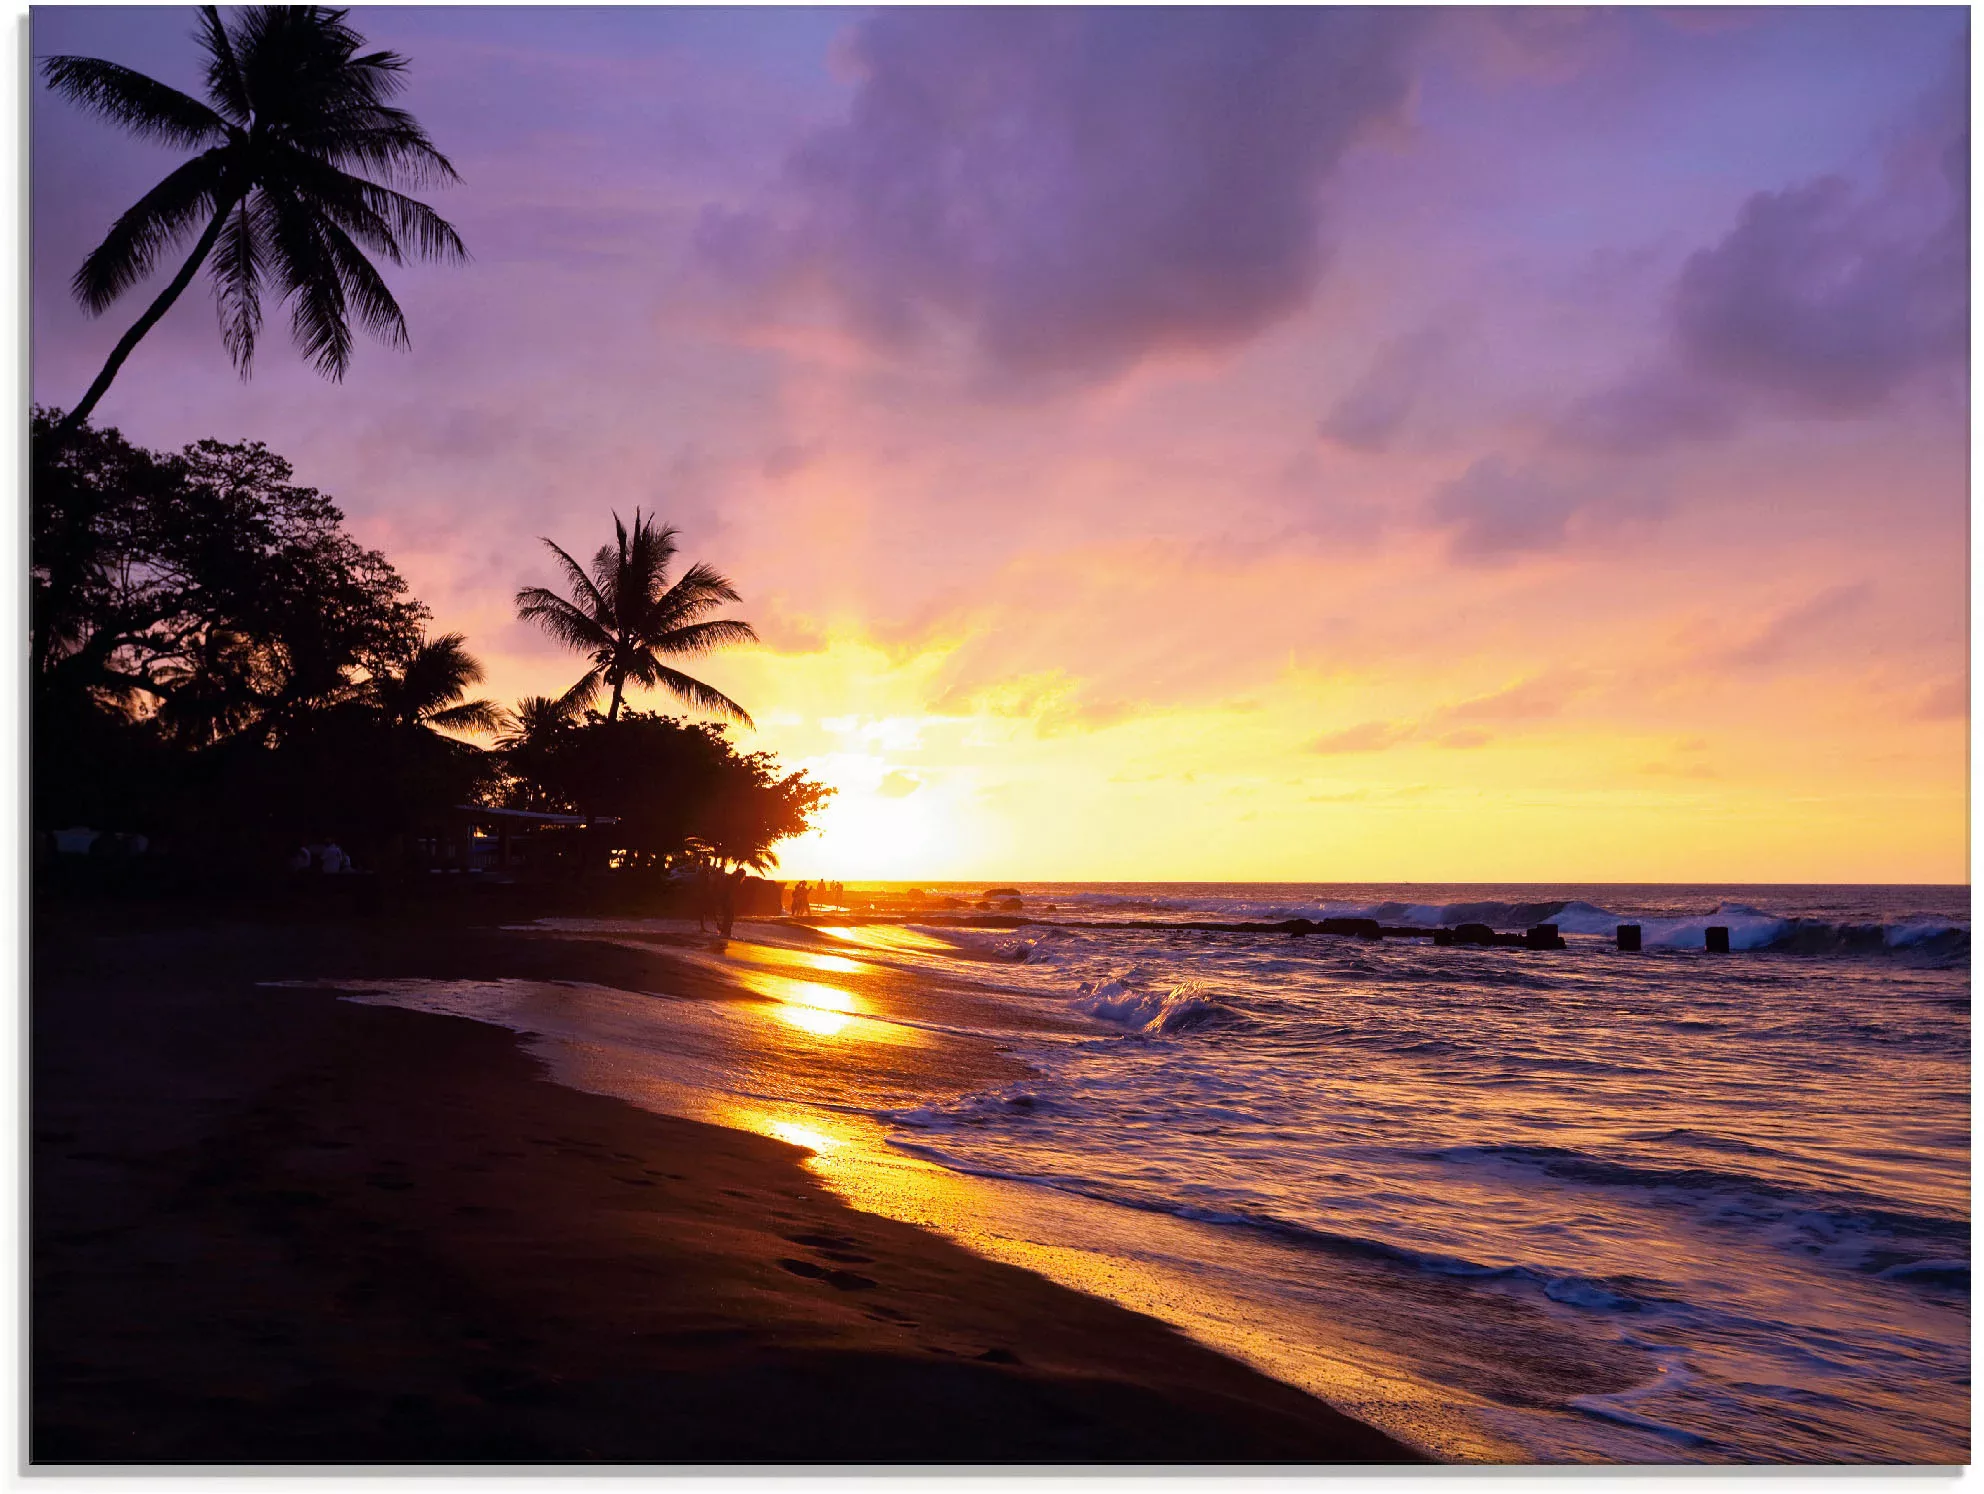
1150, 1012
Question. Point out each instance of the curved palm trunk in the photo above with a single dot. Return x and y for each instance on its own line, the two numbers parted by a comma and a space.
619, 679
145, 323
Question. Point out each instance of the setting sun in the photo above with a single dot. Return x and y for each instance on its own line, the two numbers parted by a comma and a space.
886, 831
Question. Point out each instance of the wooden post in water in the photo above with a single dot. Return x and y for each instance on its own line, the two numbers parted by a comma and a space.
1716, 939
1629, 938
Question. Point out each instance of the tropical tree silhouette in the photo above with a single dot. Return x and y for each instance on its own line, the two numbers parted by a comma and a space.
294, 113
535, 721
627, 616
426, 692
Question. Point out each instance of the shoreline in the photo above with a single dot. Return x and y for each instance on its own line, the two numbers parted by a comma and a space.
275, 1226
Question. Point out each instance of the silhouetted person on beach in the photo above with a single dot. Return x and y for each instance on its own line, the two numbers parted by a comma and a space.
726, 913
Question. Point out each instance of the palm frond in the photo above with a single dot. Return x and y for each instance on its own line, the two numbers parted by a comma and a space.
562, 620
149, 109
705, 697
290, 57
365, 291
535, 718
311, 284
238, 267
388, 143
702, 637
376, 216
585, 594
470, 716
448, 655
700, 590
439, 673
224, 83
376, 75
329, 192
189, 195
585, 691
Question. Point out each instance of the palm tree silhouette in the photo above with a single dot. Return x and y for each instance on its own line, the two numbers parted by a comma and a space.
627, 616
426, 695
535, 721
292, 112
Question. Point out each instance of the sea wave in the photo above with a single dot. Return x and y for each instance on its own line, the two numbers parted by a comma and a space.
1153, 1013
1864, 1235
1585, 1293
1751, 929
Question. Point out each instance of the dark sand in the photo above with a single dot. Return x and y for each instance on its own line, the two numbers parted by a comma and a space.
269, 1226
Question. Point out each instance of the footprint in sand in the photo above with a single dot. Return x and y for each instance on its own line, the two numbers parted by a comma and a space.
846, 1281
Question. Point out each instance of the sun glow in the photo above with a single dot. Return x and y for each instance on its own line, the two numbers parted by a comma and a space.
878, 833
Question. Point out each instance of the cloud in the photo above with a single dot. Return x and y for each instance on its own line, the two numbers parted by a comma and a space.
786, 458
899, 785
1648, 411
785, 631
1071, 190
1537, 43
1812, 299
1795, 628
1368, 736
1528, 700
1455, 726
1056, 703
1821, 301
1495, 511
1946, 702
1368, 414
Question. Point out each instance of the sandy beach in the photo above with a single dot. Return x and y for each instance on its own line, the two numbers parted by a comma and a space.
271, 1226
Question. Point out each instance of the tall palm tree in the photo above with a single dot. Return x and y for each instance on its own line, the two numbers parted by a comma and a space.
427, 692
627, 616
293, 113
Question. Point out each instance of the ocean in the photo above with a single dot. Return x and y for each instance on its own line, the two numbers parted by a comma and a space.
1512, 1204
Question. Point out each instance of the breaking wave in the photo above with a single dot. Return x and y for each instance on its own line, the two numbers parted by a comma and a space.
1153, 1013
1750, 928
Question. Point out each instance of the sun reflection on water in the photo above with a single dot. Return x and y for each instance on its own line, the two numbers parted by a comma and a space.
806, 1136
803, 959
812, 1019
886, 936
819, 1009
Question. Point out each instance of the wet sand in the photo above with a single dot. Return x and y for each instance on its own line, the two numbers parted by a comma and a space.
270, 1226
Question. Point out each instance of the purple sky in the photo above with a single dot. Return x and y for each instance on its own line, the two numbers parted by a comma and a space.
1383, 412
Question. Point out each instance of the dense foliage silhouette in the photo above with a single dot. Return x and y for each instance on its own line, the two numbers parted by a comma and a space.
219, 667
